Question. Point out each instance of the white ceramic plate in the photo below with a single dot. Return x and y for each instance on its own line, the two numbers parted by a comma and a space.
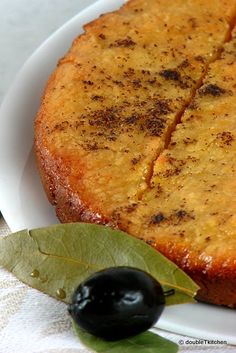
22, 199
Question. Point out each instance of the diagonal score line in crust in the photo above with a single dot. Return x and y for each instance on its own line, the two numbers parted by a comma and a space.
180, 114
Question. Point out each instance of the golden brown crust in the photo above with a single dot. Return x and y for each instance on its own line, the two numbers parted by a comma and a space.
95, 142
217, 285
69, 209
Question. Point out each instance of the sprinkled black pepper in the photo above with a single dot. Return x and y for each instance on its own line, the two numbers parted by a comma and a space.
170, 74
212, 90
126, 43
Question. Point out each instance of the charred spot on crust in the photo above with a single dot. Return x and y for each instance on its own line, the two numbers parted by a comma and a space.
188, 141
193, 22
184, 64
96, 97
181, 214
170, 74
88, 82
116, 214
171, 172
118, 83
212, 90
174, 219
157, 218
125, 43
225, 138
102, 36
199, 58
137, 83
129, 72
134, 161
62, 126
130, 208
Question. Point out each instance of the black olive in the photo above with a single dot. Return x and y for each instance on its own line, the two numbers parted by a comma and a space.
117, 302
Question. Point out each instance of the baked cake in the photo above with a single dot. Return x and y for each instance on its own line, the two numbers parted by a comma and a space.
136, 130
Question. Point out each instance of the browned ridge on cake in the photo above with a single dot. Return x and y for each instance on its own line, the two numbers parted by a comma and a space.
135, 130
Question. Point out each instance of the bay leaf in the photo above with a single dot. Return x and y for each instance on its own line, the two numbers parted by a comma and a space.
146, 342
57, 258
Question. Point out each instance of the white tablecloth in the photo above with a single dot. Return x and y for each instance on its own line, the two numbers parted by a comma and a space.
31, 322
